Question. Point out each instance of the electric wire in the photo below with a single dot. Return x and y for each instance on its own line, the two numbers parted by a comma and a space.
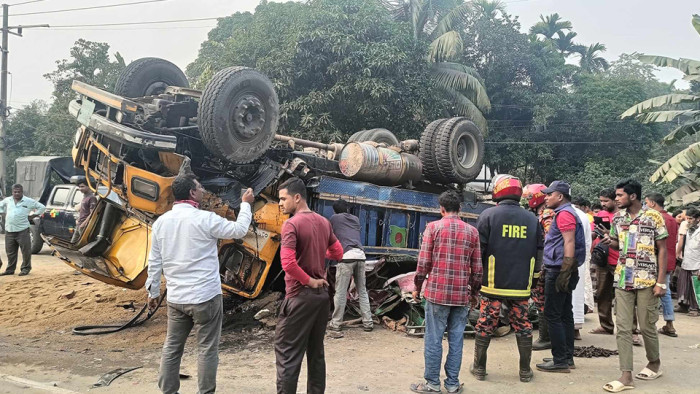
139, 23
88, 8
26, 2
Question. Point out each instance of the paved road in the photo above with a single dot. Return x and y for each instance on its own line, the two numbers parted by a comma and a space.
379, 362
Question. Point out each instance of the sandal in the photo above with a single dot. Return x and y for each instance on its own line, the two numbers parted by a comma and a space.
648, 374
600, 330
665, 331
424, 388
636, 340
616, 386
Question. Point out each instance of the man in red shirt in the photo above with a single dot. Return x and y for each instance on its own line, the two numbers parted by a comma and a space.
306, 237
450, 258
606, 275
656, 202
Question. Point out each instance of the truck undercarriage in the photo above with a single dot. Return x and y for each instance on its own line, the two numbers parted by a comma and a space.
225, 136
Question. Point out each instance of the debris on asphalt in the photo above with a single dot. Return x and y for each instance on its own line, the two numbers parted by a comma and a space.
128, 306
106, 379
67, 296
593, 351
263, 313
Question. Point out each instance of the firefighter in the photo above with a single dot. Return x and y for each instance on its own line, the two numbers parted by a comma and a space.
535, 201
511, 246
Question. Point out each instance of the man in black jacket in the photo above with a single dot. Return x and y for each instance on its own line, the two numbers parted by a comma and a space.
511, 248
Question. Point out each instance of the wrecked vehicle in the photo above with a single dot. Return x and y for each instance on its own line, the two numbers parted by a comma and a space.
136, 140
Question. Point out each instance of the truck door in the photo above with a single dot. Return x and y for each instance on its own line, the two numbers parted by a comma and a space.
70, 219
55, 212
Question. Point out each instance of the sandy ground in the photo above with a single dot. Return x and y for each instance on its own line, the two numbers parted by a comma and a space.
38, 353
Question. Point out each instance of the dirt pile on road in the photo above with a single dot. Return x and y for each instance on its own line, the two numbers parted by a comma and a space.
42, 307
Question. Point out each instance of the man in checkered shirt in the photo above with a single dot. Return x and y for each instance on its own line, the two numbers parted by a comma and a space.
450, 264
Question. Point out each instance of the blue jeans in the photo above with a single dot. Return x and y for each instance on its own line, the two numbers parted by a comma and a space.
667, 302
438, 319
558, 309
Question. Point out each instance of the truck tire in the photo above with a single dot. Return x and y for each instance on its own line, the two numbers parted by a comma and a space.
358, 137
149, 76
459, 150
36, 241
238, 114
380, 136
426, 153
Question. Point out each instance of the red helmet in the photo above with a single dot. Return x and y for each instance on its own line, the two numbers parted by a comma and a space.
506, 187
533, 194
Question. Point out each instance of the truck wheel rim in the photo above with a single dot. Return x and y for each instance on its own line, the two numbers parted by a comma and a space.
155, 88
248, 117
467, 150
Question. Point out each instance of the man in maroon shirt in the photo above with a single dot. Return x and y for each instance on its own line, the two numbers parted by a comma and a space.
304, 312
656, 202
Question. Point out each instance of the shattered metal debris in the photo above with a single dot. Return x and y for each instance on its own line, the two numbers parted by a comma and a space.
128, 306
592, 351
263, 313
109, 377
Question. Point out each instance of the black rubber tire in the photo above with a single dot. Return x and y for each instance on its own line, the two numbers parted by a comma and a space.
149, 76
36, 241
459, 150
426, 153
221, 101
380, 136
358, 137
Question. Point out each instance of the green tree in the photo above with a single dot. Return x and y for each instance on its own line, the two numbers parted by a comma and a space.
439, 22
339, 66
590, 59
47, 129
682, 109
549, 26
564, 43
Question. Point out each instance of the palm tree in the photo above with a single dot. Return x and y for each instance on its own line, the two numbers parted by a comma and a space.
591, 61
564, 42
489, 8
550, 26
437, 21
684, 110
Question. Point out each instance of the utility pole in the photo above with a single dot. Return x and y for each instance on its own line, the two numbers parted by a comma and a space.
4, 111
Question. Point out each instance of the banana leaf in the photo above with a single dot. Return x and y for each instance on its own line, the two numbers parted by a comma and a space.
681, 131
658, 102
678, 164
664, 116
687, 66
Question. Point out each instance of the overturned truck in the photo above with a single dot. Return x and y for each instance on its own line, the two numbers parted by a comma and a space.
136, 140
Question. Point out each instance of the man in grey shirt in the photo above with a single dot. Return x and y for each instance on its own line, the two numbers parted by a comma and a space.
346, 228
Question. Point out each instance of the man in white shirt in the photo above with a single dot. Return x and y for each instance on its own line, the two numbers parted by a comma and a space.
184, 250
583, 295
687, 299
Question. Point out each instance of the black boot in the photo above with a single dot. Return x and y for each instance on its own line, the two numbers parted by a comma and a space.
525, 350
481, 346
543, 342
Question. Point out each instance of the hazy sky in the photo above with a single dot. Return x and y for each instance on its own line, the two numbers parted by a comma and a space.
648, 26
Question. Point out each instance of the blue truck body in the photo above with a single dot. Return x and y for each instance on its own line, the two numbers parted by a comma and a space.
392, 220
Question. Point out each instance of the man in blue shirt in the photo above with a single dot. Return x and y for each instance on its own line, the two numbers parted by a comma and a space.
19, 210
